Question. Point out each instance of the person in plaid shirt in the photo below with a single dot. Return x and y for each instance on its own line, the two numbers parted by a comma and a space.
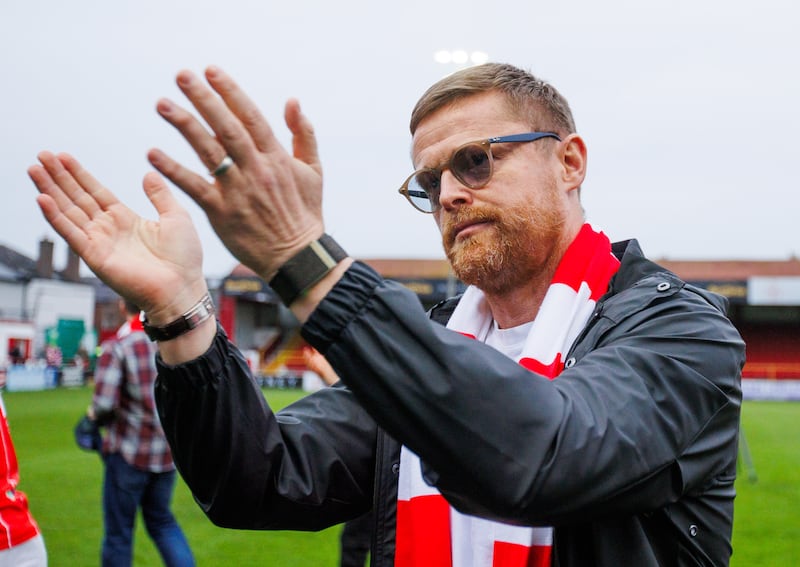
139, 472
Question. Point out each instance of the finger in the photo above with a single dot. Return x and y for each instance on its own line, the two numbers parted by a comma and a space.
160, 196
206, 146
228, 129
99, 193
304, 141
63, 187
195, 186
51, 179
68, 230
243, 108
42, 179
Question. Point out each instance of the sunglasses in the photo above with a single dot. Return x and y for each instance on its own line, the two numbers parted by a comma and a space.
471, 164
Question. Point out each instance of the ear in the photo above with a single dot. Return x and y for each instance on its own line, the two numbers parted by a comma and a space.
573, 161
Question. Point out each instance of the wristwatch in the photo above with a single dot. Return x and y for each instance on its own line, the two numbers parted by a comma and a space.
306, 268
199, 312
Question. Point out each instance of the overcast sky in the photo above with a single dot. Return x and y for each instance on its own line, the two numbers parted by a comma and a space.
688, 108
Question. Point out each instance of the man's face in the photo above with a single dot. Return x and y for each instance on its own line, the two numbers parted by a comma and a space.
501, 235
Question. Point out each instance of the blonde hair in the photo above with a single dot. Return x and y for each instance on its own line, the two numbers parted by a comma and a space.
528, 97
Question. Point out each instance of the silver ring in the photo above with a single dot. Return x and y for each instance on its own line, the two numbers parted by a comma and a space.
223, 166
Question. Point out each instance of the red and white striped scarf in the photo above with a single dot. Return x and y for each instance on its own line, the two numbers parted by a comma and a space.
429, 532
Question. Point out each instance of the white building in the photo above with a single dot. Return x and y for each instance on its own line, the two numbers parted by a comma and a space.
37, 303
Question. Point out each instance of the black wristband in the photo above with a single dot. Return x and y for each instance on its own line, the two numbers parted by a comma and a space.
201, 311
306, 268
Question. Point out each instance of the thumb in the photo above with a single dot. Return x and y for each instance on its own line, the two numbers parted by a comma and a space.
159, 195
304, 141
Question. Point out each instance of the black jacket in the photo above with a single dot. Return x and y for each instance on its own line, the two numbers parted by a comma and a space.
630, 453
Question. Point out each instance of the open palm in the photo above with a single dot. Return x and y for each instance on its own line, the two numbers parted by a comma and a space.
152, 263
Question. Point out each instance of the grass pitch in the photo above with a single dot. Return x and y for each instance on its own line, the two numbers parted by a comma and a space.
63, 485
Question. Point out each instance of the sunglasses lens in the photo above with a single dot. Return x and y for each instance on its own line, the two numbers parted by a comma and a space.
423, 190
472, 165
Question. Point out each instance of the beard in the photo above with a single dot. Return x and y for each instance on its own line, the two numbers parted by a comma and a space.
515, 249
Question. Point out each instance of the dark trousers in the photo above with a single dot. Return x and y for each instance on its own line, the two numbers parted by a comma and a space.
125, 489
355, 541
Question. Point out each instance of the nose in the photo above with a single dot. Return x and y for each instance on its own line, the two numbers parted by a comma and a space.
453, 193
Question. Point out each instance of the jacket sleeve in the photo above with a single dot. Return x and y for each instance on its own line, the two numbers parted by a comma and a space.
305, 468
648, 411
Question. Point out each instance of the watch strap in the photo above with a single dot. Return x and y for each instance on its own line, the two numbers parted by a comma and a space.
306, 268
200, 311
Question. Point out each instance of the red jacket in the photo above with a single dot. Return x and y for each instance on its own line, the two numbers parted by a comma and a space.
16, 522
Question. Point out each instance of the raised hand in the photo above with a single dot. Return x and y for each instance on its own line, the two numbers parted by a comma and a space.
157, 265
267, 205
314, 360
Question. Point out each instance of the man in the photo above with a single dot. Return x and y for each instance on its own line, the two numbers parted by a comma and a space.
139, 472
465, 451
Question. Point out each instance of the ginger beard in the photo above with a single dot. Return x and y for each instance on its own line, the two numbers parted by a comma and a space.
513, 250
